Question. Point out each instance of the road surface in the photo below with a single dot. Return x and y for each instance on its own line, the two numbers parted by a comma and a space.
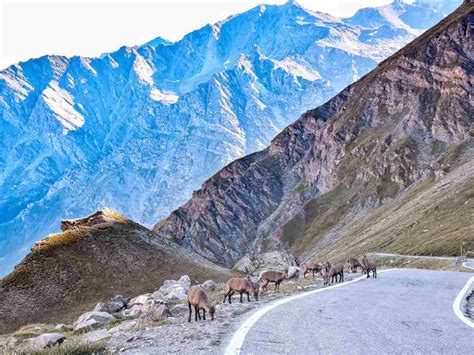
400, 312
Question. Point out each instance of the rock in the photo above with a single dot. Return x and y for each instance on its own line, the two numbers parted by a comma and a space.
179, 310
63, 327
185, 281
96, 336
124, 326
130, 313
91, 320
140, 300
173, 291
46, 340
120, 299
109, 307
153, 313
209, 285
272, 260
293, 272
88, 325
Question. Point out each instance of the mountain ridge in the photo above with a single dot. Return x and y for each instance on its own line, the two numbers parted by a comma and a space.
139, 129
422, 115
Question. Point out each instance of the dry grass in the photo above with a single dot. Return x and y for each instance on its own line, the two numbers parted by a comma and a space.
73, 345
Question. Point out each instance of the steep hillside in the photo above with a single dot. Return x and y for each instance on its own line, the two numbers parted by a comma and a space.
387, 140
93, 259
139, 129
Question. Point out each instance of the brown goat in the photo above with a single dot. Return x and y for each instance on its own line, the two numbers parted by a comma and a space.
237, 285
272, 276
368, 266
197, 297
332, 272
313, 267
352, 264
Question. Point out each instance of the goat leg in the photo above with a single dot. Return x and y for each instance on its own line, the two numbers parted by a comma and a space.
190, 312
203, 314
198, 314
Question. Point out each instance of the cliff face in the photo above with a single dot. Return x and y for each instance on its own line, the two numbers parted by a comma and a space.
407, 122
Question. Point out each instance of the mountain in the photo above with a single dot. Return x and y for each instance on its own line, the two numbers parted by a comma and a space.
386, 165
93, 259
141, 128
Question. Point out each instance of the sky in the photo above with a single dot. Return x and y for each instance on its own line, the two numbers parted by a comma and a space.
32, 28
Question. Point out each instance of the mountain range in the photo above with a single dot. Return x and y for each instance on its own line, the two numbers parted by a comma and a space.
140, 129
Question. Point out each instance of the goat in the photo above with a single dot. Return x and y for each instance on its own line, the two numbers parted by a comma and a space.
272, 276
241, 286
197, 297
312, 267
332, 272
368, 266
352, 264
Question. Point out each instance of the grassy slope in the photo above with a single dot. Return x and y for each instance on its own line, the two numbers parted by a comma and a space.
68, 273
430, 218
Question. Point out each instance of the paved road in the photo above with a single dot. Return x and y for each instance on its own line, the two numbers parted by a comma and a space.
469, 264
402, 311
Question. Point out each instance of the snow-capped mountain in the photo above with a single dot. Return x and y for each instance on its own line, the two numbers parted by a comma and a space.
141, 128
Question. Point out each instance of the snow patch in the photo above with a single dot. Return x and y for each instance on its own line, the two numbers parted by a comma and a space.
62, 105
143, 70
165, 97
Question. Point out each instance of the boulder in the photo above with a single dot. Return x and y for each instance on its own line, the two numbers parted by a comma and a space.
91, 320
124, 326
140, 300
87, 326
109, 307
179, 310
293, 272
173, 291
46, 340
120, 299
185, 281
63, 327
153, 313
209, 285
272, 260
170, 294
130, 313
98, 335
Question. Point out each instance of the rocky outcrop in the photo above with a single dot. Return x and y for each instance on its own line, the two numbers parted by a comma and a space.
273, 260
152, 313
44, 341
173, 291
407, 121
92, 320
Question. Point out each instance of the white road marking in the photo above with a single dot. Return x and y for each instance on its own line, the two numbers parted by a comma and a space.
238, 338
457, 303
468, 267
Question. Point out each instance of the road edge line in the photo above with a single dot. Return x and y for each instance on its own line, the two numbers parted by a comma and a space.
457, 303
467, 267
237, 340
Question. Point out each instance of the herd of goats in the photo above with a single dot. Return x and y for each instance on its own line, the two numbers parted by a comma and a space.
197, 296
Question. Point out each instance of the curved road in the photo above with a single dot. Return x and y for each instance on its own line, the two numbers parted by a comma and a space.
402, 311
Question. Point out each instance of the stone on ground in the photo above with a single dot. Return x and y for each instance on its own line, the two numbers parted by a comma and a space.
46, 340
96, 336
